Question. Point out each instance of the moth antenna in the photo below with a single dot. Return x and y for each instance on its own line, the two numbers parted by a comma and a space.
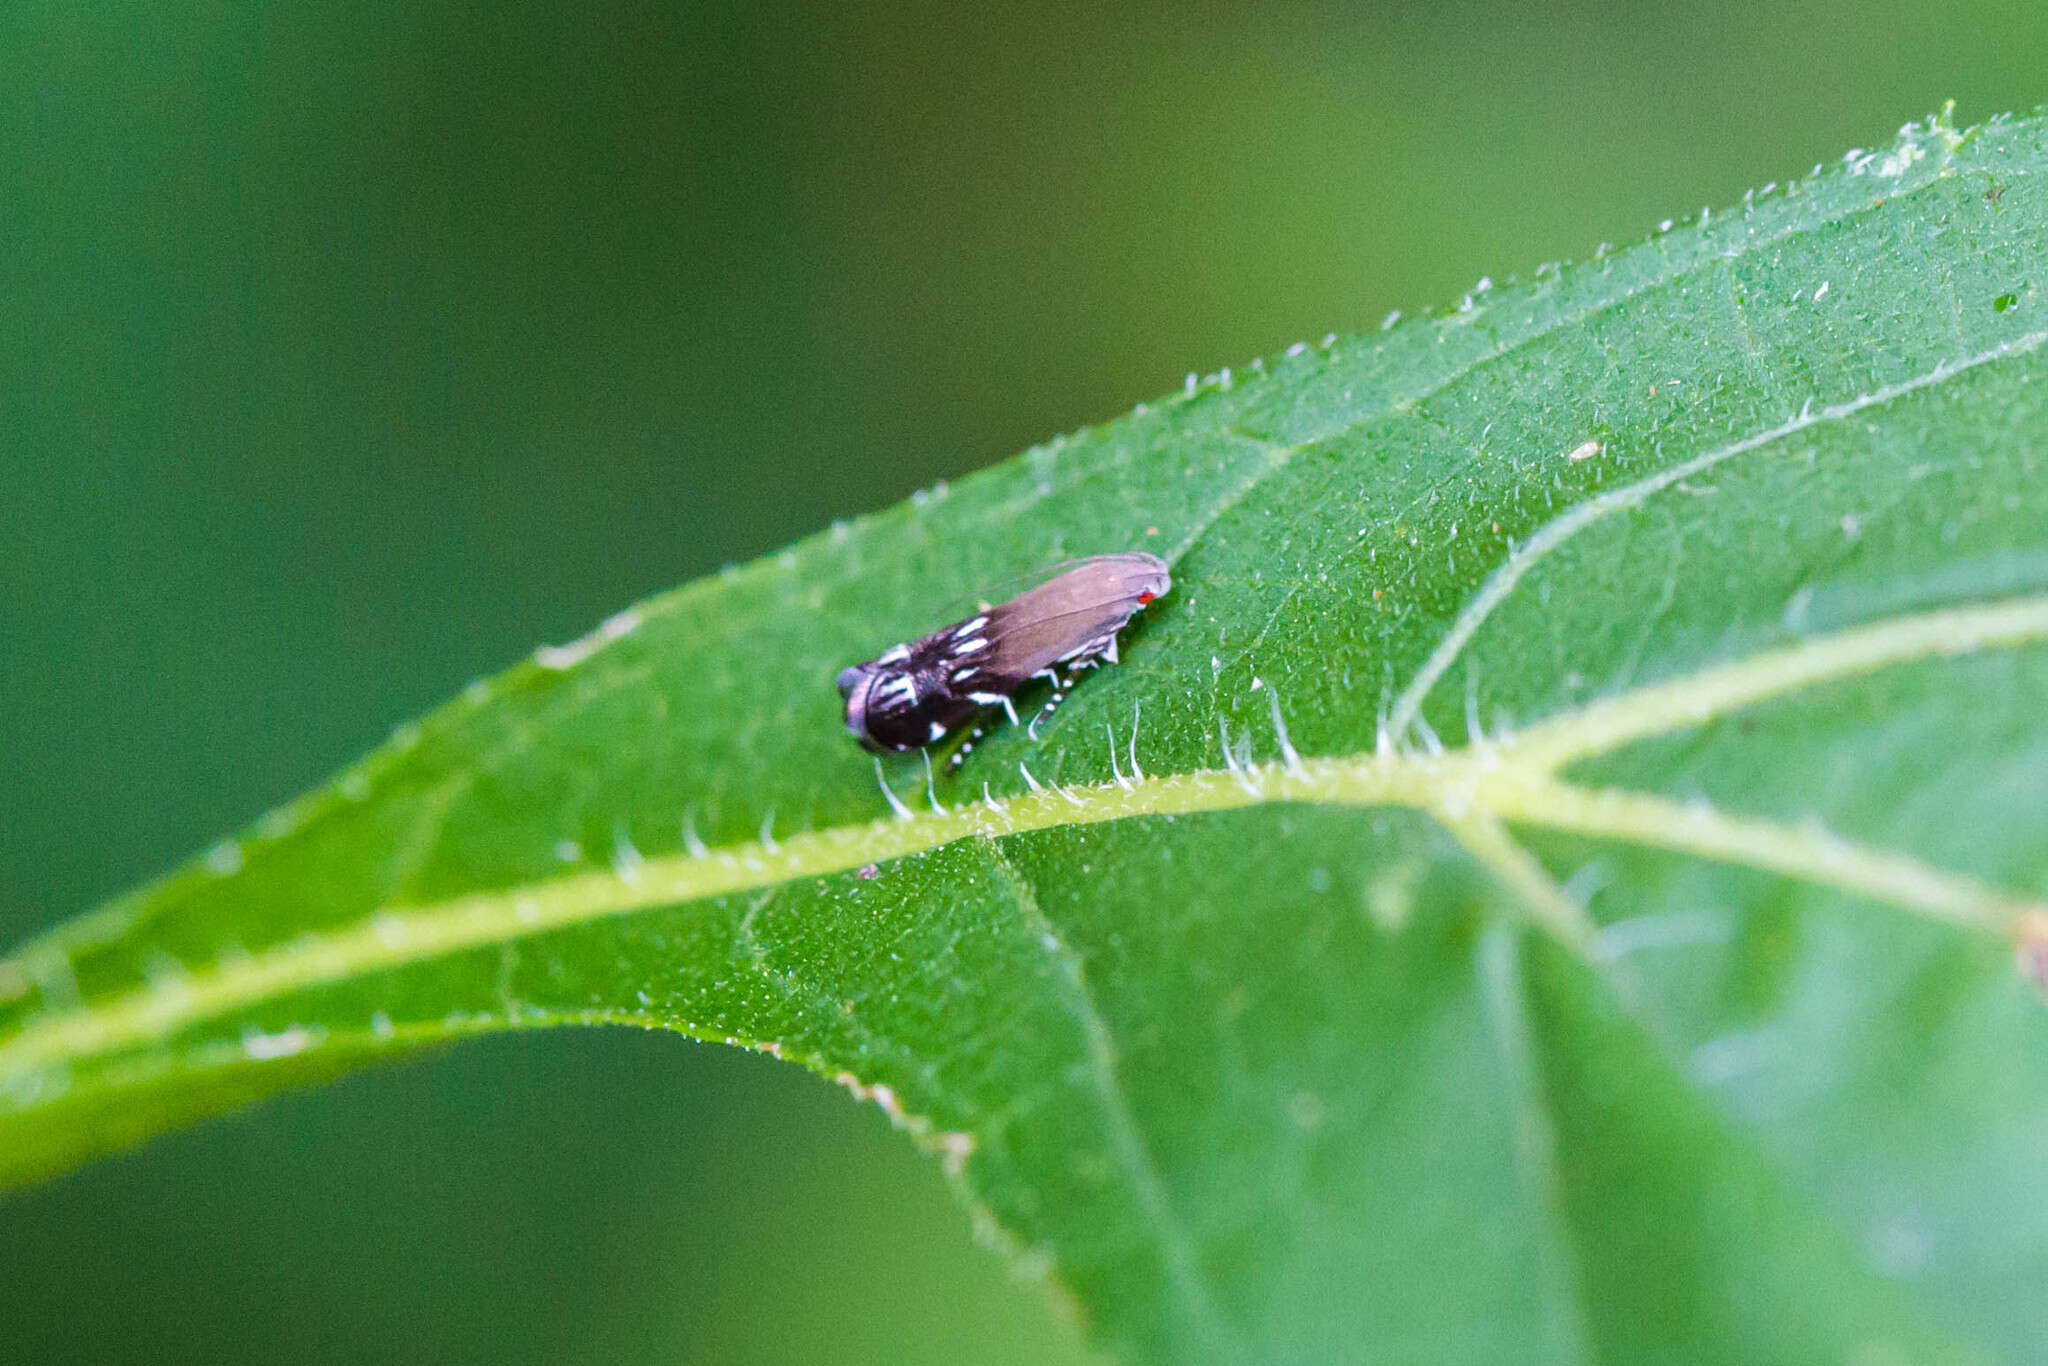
1137, 773
903, 813
768, 832
931, 789
1121, 780
691, 841
1288, 756
1029, 781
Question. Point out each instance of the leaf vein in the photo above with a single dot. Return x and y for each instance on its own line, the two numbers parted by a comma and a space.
1554, 533
1177, 1248
1507, 781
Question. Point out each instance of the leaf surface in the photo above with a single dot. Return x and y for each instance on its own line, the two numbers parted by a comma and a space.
1544, 886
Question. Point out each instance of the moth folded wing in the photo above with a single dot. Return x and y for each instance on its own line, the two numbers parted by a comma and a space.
1074, 615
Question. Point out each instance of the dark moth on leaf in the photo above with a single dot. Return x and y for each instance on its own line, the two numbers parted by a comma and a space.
915, 693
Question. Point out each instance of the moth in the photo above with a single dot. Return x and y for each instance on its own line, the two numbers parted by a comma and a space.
916, 693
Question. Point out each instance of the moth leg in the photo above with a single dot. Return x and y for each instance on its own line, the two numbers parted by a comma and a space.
1059, 695
1091, 655
966, 747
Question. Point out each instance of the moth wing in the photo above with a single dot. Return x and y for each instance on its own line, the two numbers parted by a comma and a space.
1038, 628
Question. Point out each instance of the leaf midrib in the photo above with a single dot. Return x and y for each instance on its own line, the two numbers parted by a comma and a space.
1403, 779
1509, 778
116, 918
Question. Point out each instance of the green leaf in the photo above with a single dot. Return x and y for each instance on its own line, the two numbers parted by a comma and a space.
1543, 887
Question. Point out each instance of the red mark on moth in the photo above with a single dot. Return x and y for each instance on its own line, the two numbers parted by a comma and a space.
1146, 598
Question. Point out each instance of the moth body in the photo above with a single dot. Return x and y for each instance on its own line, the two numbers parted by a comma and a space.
916, 693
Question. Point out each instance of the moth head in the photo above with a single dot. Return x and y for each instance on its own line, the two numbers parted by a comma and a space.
855, 683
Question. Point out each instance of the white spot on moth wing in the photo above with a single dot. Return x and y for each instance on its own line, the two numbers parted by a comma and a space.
968, 628
938, 732
968, 647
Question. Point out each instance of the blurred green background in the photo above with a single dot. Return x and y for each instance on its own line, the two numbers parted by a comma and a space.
350, 349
